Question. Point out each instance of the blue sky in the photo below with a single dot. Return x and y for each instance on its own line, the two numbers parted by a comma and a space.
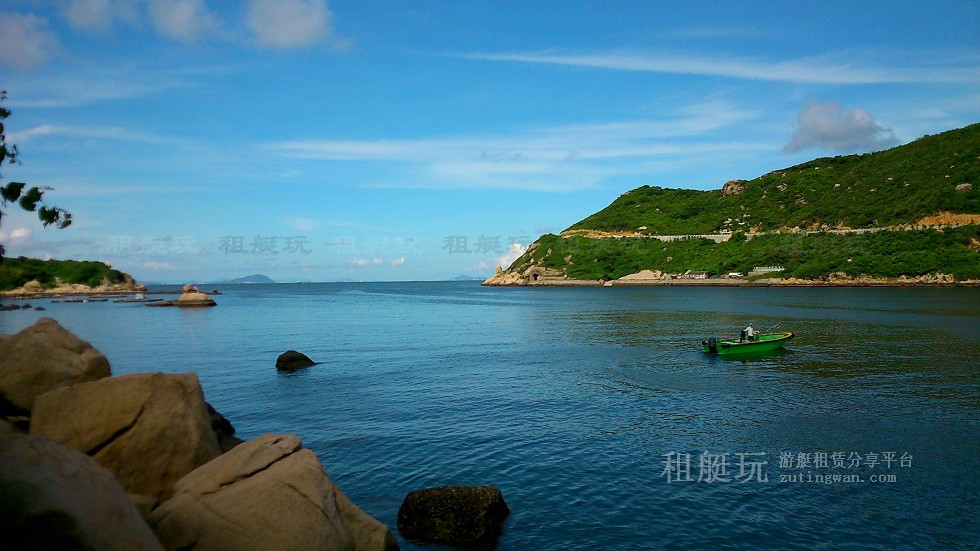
196, 140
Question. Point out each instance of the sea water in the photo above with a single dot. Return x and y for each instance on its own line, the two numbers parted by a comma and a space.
595, 411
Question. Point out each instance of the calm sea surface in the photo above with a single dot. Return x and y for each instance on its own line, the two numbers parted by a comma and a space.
594, 410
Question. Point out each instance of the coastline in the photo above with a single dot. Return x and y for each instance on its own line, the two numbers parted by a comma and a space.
122, 290
923, 281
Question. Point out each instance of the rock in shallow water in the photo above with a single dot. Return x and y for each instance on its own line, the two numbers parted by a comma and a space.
457, 515
291, 359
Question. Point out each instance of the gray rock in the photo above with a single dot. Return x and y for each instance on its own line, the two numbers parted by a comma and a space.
964, 188
291, 359
149, 429
268, 493
456, 515
43, 357
53, 497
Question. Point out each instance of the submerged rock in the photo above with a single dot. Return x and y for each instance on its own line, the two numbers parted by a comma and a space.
457, 515
149, 429
43, 357
53, 497
291, 359
268, 493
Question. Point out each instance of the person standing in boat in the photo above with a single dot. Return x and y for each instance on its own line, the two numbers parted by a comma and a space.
749, 333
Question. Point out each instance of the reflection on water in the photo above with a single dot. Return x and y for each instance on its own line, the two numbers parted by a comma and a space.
570, 399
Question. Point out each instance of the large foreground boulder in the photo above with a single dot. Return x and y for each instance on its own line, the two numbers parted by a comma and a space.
457, 515
291, 360
43, 357
268, 493
53, 497
149, 429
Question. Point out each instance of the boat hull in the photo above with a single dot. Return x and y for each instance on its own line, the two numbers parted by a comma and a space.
763, 343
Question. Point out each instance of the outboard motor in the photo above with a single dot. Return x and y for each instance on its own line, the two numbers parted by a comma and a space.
741, 336
713, 345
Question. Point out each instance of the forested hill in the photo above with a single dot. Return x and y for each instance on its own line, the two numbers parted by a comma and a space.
898, 186
909, 212
15, 272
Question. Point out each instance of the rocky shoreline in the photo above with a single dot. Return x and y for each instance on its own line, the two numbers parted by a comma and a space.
94, 461
538, 277
89, 460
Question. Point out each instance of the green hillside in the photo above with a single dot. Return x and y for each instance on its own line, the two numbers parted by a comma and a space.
883, 254
897, 186
14, 272
919, 201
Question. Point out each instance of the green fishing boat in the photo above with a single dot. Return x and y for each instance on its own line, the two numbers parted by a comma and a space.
762, 342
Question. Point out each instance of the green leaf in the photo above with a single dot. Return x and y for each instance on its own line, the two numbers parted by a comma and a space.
30, 199
11, 191
47, 216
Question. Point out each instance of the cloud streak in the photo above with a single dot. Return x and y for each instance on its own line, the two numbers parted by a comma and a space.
812, 70
113, 133
559, 158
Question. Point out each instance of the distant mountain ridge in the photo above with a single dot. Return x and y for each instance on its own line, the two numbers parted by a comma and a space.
910, 211
254, 278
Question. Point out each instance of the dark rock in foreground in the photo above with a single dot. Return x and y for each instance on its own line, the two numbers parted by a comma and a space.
291, 359
457, 515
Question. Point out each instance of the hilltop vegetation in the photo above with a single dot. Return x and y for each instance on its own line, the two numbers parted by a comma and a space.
921, 197
887, 188
15, 272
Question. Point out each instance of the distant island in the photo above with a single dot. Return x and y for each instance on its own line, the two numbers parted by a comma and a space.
251, 279
909, 215
464, 277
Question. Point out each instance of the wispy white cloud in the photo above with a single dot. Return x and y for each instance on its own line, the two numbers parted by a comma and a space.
813, 70
559, 158
26, 41
16, 238
99, 16
78, 86
284, 24
183, 20
514, 251
156, 266
365, 262
400, 261
827, 125
112, 133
